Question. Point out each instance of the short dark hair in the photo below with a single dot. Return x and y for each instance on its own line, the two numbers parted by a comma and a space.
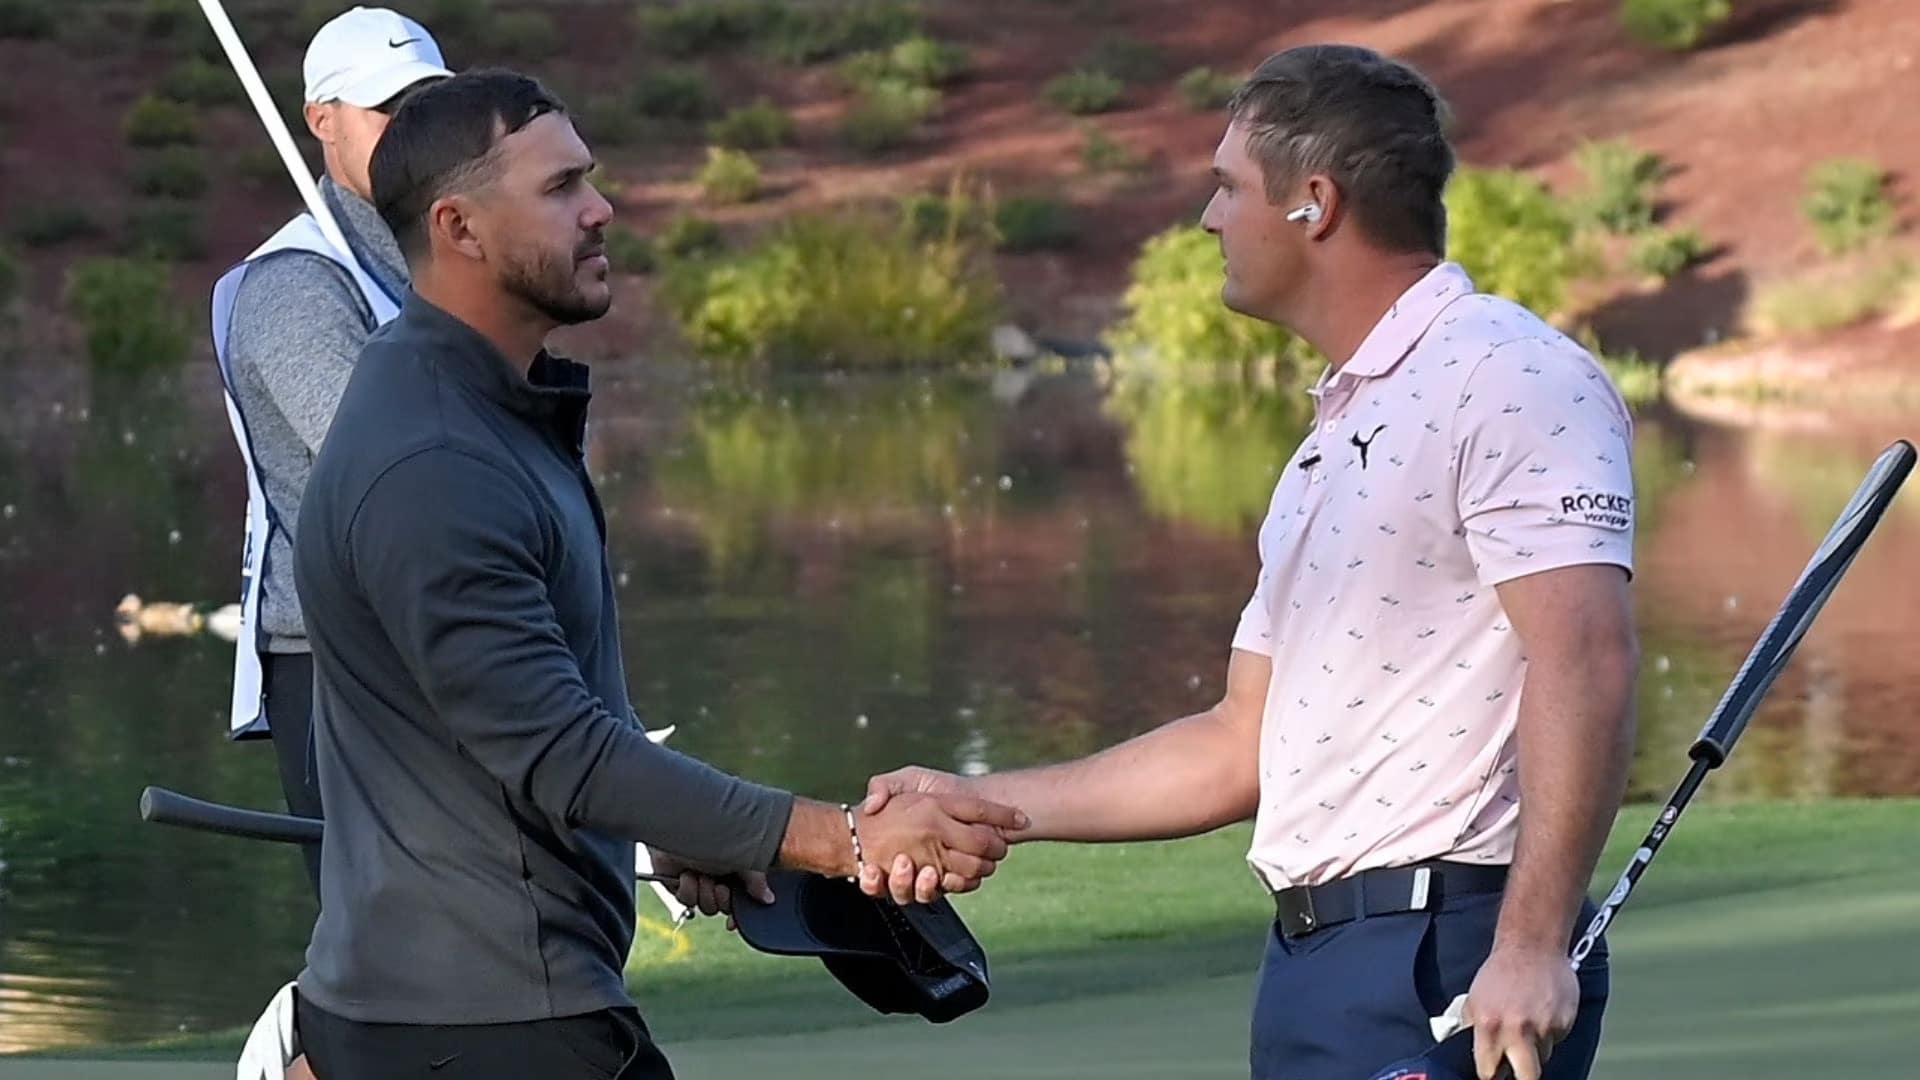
444, 138
1373, 124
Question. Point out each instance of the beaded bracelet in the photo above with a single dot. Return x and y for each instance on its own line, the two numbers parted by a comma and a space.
859, 857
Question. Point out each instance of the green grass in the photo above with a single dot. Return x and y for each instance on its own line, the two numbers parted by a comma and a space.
1768, 938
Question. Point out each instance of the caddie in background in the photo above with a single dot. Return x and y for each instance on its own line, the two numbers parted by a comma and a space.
288, 324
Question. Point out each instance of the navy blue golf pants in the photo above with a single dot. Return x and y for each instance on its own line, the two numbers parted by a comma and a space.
1342, 1002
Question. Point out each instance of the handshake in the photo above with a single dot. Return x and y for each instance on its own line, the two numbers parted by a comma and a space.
969, 836
919, 834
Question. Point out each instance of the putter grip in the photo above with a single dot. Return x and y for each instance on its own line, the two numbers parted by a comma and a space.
1803, 602
163, 807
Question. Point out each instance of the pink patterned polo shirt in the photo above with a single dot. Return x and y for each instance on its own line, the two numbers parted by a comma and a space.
1465, 444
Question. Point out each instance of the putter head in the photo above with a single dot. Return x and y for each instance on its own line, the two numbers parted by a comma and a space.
913, 958
1452, 1059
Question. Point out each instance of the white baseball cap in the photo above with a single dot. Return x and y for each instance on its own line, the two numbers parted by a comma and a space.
364, 56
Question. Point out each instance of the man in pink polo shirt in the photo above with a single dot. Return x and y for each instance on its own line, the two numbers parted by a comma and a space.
1428, 710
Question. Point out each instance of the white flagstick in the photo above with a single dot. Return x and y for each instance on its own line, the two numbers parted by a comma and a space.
276, 127
310, 194
643, 862
270, 1047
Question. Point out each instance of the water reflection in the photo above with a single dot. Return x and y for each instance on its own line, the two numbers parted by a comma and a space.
1206, 446
852, 454
820, 579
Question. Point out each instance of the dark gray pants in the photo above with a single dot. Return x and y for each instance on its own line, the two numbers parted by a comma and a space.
289, 707
612, 1044
1341, 1003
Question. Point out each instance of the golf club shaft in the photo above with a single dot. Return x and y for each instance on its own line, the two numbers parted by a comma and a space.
164, 807
1764, 663
1638, 864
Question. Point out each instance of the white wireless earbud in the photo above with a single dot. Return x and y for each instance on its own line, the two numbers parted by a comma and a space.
1308, 213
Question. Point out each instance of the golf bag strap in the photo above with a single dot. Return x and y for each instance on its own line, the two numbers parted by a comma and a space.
1304, 909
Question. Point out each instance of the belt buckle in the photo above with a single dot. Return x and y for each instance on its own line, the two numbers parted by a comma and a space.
1422, 888
1296, 911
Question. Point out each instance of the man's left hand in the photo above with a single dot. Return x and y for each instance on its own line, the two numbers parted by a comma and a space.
1523, 1001
709, 890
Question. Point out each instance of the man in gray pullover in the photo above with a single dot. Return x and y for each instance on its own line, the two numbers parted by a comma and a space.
289, 322
485, 776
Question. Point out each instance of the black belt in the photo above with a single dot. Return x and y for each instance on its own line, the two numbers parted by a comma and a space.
1304, 909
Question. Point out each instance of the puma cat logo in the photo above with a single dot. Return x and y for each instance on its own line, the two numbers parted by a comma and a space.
1364, 446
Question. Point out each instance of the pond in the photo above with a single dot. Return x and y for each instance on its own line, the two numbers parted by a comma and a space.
821, 578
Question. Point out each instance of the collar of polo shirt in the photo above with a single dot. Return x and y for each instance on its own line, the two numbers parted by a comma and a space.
1395, 335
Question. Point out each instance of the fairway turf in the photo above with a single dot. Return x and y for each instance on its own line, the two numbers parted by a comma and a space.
1769, 941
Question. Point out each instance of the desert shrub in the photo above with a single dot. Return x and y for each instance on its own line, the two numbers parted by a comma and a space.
197, 81
608, 120
156, 121
1662, 253
523, 35
1174, 313
919, 60
729, 176
1102, 153
696, 28
1830, 299
926, 61
1129, 60
168, 18
173, 172
686, 236
130, 318
9, 276
1513, 236
1903, 308
1034, 223
886, 114
287, 88
848, 289
1620, 184
630, 252
1637, 378
1083, 92
1204, 89
811, 35
1847, 203
51, 224
26, 19
1673, 24
468, 21
961, 213
259, 166
679, 94
311, 15
758, 126
164, 230
785, 32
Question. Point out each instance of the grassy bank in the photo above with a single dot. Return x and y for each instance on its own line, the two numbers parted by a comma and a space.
1799, 897
1064, 921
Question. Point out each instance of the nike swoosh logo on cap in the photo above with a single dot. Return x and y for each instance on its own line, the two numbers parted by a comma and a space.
392, 44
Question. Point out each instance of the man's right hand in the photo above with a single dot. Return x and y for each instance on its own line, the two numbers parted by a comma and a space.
955, 840
903, 879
